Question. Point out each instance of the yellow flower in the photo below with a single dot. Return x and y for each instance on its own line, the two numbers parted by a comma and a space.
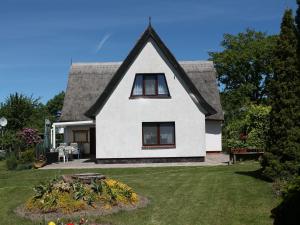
51, 223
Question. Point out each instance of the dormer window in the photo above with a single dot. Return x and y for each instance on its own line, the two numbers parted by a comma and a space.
150, 85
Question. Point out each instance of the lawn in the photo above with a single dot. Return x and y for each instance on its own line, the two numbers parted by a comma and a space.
222, 195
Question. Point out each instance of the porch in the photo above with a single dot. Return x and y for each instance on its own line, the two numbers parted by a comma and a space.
81, 132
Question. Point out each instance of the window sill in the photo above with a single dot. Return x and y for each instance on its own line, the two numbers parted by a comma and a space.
150, 97
158, 147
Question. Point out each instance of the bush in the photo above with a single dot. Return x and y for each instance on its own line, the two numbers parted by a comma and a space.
10, 141
288, 211
28, 156
248, 129
274, 167
29, 137
2, 154
11, 161
24, 166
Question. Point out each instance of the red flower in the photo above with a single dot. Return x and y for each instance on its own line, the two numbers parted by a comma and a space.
70, 224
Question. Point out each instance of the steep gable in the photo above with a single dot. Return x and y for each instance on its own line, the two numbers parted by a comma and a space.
147, 35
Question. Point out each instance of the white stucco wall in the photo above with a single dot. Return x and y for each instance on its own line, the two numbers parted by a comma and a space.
119, 123
213, 135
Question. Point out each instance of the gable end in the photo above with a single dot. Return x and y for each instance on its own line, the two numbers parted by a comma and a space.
117, 77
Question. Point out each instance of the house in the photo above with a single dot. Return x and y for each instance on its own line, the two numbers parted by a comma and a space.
148, 108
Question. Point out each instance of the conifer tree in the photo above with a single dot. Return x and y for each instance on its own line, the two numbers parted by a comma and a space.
283, 157
297, 19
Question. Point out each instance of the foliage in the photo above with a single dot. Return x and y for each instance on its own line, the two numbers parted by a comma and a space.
284, 135
20, 160
244, 66
11, 161
283, 160
249, 129
297, 20
2, 155
24, 166
27, 156
10, 140
56, 103
58, 195
23, 111
288, 211
29, 137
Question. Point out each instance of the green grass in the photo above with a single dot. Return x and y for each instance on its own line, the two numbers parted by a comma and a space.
223, 195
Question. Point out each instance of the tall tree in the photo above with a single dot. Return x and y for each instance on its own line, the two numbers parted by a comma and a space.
297, 18
23, 111
56, 103
244, 65
283, 158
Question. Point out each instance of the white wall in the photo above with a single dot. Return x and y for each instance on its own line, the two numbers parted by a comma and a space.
213, 135
119, 123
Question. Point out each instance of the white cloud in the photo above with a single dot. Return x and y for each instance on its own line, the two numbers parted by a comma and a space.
102, 42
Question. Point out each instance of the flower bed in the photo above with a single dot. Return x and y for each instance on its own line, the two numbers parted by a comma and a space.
60, 198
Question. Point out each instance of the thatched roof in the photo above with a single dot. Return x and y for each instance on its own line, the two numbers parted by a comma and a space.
87, 81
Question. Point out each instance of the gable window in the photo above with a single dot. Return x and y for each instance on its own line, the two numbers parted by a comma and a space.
150, 85
158, 134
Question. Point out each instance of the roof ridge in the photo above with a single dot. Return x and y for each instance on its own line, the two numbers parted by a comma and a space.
95, 63
117, 62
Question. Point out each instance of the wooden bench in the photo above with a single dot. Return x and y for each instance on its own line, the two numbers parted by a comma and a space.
244, 153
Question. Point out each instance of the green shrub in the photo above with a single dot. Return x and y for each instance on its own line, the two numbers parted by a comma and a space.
252, 123
11, 161
2, 155
28, 156
24, 166
274, 167
288, 211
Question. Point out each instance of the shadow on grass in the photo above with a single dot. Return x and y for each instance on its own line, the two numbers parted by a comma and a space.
257, 174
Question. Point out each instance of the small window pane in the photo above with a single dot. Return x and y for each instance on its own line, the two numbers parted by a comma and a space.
150, 134
138, 85
162, 86
150, 85
167, 134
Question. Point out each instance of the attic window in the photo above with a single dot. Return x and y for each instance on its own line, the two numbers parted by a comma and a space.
150, 85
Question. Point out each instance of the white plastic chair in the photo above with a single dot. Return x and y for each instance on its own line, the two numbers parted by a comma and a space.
76, 150
62, 154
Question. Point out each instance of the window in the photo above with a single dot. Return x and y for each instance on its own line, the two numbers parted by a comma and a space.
159, 134
150, 85
80, 136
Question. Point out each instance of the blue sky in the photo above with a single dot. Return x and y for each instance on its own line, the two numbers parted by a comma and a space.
38, 38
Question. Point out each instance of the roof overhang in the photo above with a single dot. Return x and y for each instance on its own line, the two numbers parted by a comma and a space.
73, 123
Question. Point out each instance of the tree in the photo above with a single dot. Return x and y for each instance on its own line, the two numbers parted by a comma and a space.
56, 103
283, 157
249, 130
297, 18
23, 111
244, 66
